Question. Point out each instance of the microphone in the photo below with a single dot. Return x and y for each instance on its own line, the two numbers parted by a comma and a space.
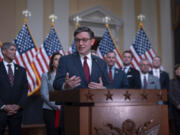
107, 80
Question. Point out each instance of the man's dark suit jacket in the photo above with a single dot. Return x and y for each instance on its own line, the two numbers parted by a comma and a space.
133, 77
72, 64
16, 94
120, 79
164, 79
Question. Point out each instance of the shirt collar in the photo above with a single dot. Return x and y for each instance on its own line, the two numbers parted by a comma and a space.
88, 56
154, 69
6, 63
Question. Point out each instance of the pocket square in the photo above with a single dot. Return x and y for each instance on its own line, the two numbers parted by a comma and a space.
129, 76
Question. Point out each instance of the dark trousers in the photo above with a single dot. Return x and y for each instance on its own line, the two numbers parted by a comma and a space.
49, 119
176, 115
13, 122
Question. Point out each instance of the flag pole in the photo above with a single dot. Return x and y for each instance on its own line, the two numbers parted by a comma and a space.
53, 17
141, 18
27, 14
77, 19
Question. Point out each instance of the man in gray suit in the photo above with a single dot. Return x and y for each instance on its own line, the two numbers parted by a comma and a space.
147, 80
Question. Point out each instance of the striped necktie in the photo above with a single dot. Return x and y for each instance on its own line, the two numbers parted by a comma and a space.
10, 75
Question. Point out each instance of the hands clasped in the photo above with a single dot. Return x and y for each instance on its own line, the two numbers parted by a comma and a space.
11, 109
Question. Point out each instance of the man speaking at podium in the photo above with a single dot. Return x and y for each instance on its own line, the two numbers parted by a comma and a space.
82, 69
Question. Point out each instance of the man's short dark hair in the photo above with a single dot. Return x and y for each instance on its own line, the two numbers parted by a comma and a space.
84, 29
156, 57
6, 45
111, 52
128, 51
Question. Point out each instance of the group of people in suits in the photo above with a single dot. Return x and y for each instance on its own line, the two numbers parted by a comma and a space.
85, 70
129, 77
78, 70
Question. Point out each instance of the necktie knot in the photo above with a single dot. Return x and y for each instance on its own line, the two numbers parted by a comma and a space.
85, 57
9, 65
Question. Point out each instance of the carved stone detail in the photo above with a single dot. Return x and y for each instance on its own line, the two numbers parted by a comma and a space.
129, 128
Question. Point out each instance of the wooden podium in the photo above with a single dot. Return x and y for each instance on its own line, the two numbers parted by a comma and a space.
114, 112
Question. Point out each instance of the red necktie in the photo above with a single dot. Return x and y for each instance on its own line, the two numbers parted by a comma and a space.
110, 74
10, 75
86, 69
145, 82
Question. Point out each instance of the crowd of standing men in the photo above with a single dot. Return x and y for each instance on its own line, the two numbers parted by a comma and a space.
78, 70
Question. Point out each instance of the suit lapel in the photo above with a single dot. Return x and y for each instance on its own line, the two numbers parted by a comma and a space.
4, 73
16, 73
79, 67
94, 68
116, 72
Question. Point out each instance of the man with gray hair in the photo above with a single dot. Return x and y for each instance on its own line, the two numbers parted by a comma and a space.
13, 91
147, 80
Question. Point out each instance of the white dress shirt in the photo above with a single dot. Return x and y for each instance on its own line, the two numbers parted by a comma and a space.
142, 78
6, 66
126, 68
156, 72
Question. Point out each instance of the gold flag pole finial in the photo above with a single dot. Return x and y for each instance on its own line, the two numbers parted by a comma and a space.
26, 14
141, 18
77, 19
53, 17
106, 20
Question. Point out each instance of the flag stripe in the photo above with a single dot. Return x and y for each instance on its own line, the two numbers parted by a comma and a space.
141, 48
50, 46
108, 44
26, 51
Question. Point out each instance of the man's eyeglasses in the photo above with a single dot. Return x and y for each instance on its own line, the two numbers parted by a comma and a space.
84, 40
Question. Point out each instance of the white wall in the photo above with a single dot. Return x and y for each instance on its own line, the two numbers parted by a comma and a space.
36, 20
61, 9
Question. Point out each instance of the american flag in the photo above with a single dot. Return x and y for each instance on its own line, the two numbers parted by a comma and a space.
141, 49
26, 51
72, 48
50, 46
108, 44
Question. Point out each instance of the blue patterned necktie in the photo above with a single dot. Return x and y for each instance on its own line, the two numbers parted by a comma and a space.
10, 75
